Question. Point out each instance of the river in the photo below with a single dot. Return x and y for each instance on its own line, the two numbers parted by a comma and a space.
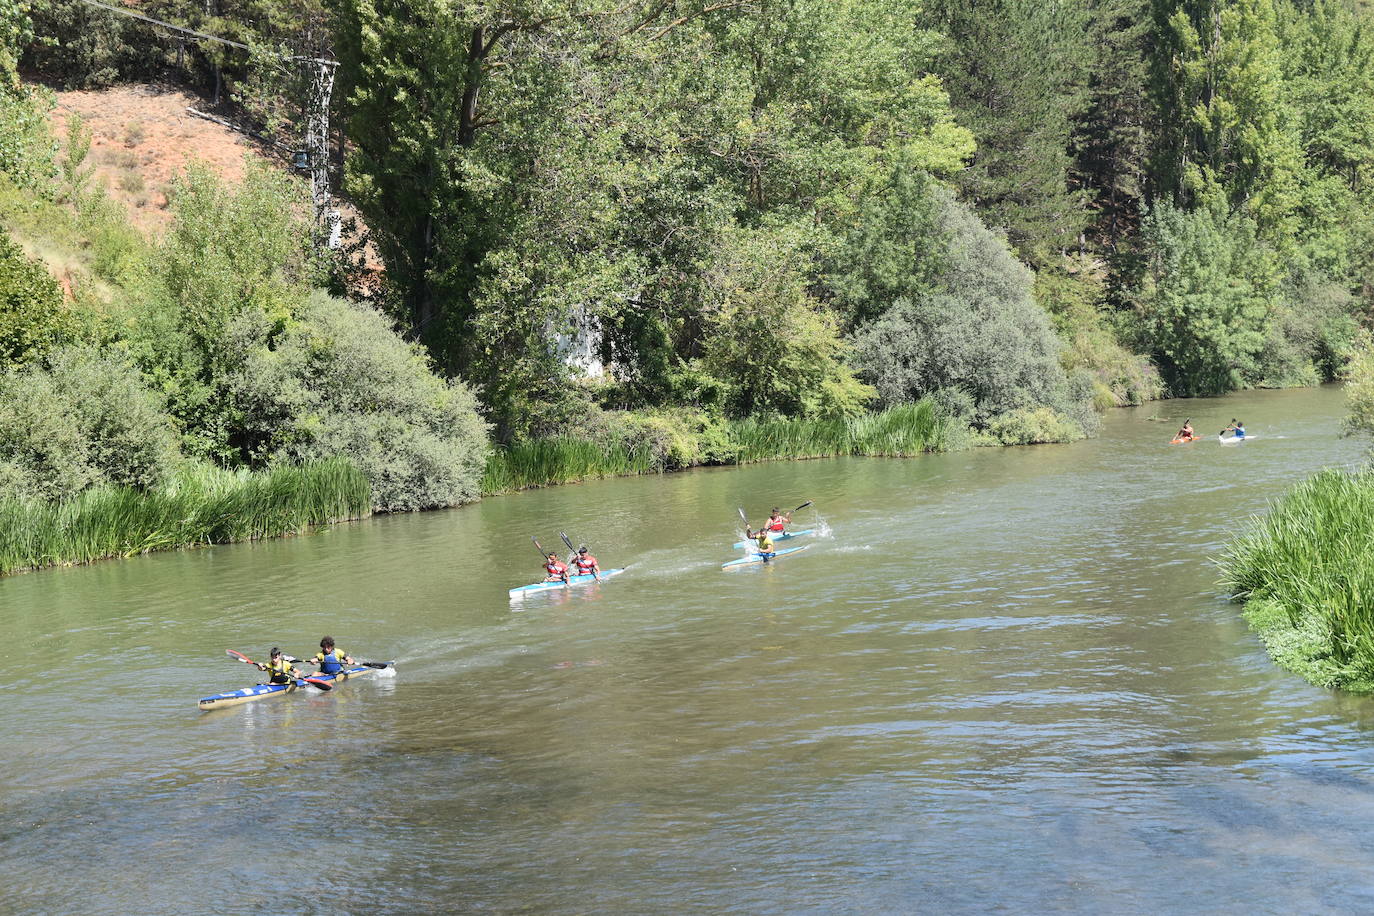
1002, 680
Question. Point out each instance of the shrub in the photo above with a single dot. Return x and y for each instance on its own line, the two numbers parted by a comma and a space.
340, 382
1029, 426
981, 332
85, 421
33, 317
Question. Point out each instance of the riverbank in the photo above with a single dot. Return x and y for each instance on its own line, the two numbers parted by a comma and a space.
1304, 574
199, 505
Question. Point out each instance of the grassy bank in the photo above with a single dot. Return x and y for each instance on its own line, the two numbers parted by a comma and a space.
910, 429
200, 505
1306, 574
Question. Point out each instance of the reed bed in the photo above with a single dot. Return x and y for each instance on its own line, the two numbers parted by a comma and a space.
1306, 572
199, 505
903, 431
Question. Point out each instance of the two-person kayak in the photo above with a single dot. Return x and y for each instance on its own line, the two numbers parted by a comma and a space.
524, 590
763, 557
267, 691
790, 535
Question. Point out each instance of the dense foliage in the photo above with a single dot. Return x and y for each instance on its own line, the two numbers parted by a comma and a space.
633, 226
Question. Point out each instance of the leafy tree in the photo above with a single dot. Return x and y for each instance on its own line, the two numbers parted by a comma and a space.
774, 348
1224, 132
1205, 304
1015, 70
33, 317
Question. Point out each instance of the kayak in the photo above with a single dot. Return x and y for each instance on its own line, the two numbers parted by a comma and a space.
1177, 441
524, 590
264, 691
759, 558
782, 537
1232, 440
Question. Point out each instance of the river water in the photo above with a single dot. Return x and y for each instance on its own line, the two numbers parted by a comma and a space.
1002, 680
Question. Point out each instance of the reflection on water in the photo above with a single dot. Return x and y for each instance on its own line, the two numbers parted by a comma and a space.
999, 680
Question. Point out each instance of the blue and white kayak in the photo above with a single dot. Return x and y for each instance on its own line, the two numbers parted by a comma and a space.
265, 691
762, 558
781, 537
524, 590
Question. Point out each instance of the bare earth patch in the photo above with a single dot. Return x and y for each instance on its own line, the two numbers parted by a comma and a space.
143, 137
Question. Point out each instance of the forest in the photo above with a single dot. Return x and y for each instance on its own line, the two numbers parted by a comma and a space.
621, 236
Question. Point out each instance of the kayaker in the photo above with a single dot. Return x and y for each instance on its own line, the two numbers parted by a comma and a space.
1186, 432
585, 564
762, 541
1237, 428
279, 670
330, 659
557, 571
777, 522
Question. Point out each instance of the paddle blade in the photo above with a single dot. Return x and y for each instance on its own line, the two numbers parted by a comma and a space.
316, 682
240, 656
803, 505
538, 547
567, 540
742, 517
376, 664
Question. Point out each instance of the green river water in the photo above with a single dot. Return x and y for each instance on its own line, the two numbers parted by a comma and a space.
1002, 680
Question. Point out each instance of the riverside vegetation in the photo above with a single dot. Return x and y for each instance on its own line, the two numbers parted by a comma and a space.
633, 237
1304, 570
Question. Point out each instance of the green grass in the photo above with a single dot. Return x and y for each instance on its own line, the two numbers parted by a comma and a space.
1306, 573
199, 505
910, 429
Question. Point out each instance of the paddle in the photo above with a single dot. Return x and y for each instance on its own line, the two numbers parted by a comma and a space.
322, 685
301, 661
802, 506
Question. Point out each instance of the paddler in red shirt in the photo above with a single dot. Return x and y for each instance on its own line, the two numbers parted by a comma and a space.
585, 564
777, 522
557, 572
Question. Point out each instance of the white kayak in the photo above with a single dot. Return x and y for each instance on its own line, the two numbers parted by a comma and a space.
781, 537
1232, 440
524, 590
761, 557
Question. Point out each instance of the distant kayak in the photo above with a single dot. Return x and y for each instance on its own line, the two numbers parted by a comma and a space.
524, 590
759, 558
782, 537
1177, 441
1232, 440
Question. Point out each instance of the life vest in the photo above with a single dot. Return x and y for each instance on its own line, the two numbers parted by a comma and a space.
556, 569
331, 662
776, 524
279, 672
585, 564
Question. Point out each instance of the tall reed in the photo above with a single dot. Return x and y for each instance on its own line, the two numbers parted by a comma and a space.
198, 505
1309, 564
906, 430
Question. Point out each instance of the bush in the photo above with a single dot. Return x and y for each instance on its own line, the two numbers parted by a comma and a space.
1029, 426
33, 317
85, 421
981, 333
340, 382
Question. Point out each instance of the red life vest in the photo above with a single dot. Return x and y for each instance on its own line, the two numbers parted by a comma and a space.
555, 568
584, 564
777, 524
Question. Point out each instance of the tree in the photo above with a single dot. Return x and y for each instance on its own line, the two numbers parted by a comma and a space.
1209, 288
1015, 71
33, 317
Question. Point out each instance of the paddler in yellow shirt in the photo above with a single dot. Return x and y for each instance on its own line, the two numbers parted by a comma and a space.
279, 670
762, 540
